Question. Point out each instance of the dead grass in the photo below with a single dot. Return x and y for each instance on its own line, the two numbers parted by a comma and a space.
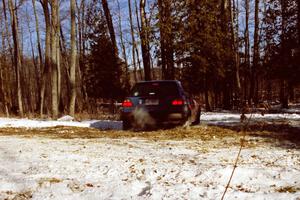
202, 133
59, 132
288, 189
43, 181
25, 195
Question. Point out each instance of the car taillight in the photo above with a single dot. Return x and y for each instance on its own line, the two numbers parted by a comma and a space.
177, 102
127, 103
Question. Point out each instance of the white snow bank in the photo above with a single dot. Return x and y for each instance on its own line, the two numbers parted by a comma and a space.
30, 123
235, 117
209, 117
66, 118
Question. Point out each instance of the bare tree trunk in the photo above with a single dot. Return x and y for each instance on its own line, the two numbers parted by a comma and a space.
116, 62
47, 64
166, 39
206, 92
3, 89
133, 41
144, 34
127, 78
162, 26
31, 90
235, 43
2, 70
73, 60
121, 37
254, 86
38, 69
17, 56
247, 46
298, 25
54, 53
7, 32
110, 26
81, 13
139, 33
284, 97
228, 42
58, 58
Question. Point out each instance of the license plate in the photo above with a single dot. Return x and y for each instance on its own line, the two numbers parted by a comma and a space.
151, 102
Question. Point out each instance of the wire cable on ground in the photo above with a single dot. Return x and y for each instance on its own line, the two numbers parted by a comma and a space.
244, 130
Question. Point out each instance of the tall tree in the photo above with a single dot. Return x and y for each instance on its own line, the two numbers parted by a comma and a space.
38, 39
284, 23
17, 55
247, 47
54, 57
102, 76
256, 57
133, 46
227, 54
234, 29
139, 33
166, 39
298, 23
2, 69
110, 26
73, 60
124, 53
7, 32
81, 50
81, 14
144, 35
47, 61
35, 79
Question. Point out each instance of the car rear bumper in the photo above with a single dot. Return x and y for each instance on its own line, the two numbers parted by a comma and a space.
158, 116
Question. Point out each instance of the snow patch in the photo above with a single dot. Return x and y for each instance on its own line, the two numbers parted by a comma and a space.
208, 117
117, 169
65, 121
66, 118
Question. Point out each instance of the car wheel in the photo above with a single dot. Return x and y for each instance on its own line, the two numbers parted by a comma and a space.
197, 116
127, 124
186, 115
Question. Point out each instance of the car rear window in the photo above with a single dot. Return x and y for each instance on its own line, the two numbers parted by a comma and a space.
158, 89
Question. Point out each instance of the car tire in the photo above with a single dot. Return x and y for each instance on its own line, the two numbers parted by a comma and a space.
127, 124
186, 115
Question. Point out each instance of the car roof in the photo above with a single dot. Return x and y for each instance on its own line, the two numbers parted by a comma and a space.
160, 81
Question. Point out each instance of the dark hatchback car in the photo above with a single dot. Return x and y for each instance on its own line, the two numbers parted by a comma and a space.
156, 102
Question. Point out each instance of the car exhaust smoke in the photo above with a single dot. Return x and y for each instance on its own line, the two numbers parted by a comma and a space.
142, 119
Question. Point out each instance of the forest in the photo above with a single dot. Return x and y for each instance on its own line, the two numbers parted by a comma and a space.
67, 57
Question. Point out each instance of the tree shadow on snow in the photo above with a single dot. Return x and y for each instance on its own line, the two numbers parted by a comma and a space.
107, 125
282, 133
118, 125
